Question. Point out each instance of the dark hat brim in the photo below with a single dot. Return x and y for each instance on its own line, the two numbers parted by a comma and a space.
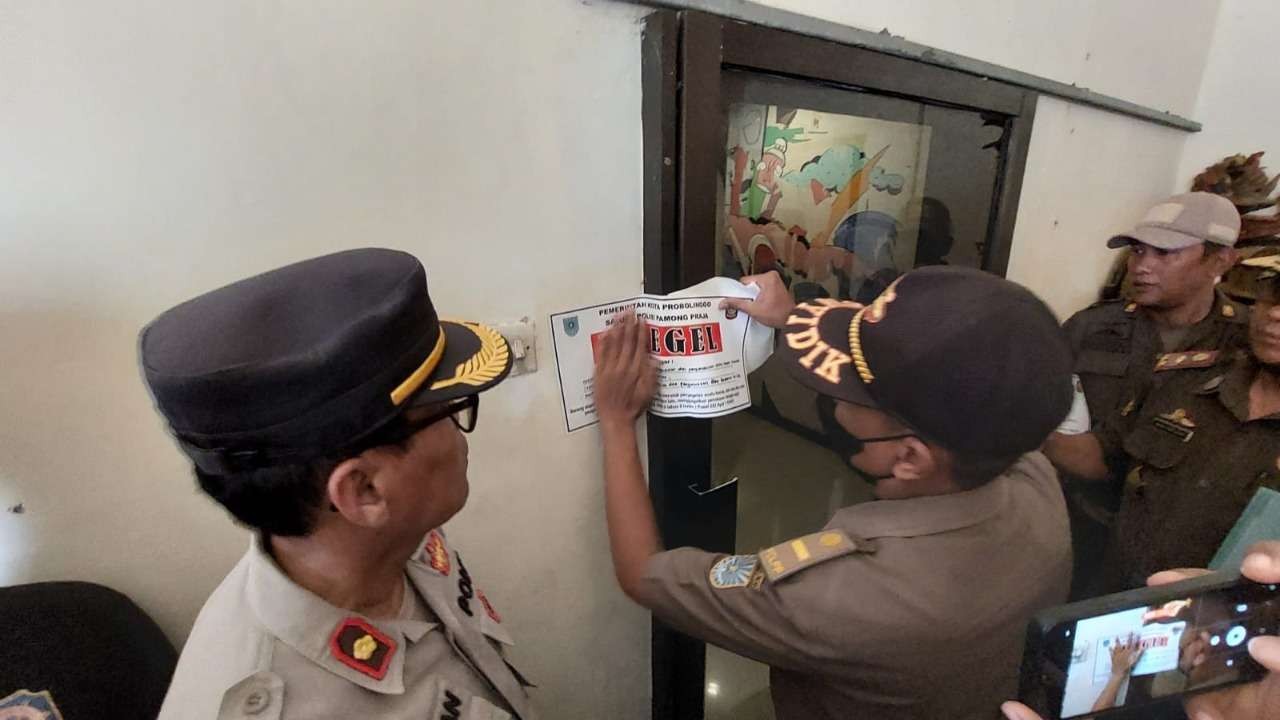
476, 357
804, 359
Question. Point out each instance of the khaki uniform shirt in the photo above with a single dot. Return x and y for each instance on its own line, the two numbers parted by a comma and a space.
1116, 346
898, 609
1192, 460
265, 648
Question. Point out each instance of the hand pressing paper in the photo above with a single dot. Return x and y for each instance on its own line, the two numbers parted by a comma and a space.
705, 353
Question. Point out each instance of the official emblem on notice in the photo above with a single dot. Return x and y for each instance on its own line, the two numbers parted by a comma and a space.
704, 353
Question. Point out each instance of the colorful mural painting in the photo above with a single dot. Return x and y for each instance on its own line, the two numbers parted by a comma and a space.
832, 202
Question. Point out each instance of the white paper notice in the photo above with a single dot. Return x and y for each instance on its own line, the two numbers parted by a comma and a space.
1078, 420
704, 352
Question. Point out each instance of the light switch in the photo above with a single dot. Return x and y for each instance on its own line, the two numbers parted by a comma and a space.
522, 338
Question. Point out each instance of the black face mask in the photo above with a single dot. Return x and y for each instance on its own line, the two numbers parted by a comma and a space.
847, 445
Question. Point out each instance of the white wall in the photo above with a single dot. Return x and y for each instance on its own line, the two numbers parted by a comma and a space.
1239, 98
150, 150
1089, 173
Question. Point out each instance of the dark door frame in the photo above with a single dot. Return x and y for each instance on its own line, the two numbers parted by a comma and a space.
683, 57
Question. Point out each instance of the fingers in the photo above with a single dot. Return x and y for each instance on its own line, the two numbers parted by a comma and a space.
626, 329
1164, 577
1018, 711
1209, 705
1262, 562
638, 356
743, 304
608, 348
764, 279
649, 377
1266, 650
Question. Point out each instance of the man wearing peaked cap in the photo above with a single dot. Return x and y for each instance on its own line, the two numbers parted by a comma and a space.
911, 607
1177, 253
1195, 450
324, 405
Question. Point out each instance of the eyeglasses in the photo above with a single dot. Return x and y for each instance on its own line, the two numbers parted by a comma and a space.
845, 444
464, 412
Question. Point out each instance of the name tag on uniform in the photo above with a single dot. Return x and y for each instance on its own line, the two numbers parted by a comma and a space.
1176, 423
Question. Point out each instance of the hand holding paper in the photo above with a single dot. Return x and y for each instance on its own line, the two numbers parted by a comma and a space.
771, 307
704, 350
626, 375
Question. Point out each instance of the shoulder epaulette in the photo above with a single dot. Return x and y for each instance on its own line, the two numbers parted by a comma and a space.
1187, 360
790, 557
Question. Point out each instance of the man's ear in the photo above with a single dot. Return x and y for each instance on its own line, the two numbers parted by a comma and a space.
354, 494
1223, 260
915, 459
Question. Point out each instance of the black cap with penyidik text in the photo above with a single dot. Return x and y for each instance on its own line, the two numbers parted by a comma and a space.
973, 362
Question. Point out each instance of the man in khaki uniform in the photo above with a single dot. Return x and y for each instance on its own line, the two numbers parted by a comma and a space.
324, 405
1177, 253
913, 606
1203, 442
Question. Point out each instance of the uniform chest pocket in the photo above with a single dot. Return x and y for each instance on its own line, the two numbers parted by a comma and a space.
1099, 362
1109, 338
1159, 448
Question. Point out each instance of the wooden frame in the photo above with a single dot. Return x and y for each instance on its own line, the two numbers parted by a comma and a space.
684, 57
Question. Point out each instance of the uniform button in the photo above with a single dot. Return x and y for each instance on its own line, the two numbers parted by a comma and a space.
256, 702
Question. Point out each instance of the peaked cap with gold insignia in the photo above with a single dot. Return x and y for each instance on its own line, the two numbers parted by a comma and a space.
971, 361
298, 362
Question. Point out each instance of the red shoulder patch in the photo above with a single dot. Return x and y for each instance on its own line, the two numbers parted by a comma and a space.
362, 647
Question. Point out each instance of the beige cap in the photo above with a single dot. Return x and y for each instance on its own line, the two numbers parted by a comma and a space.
1183, 221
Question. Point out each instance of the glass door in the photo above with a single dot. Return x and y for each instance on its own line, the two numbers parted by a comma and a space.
839, 191
839, 167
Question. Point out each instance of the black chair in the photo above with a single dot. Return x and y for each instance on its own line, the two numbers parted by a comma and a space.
92, 649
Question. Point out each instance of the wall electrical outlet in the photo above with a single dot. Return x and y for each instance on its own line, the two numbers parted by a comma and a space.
523, 340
